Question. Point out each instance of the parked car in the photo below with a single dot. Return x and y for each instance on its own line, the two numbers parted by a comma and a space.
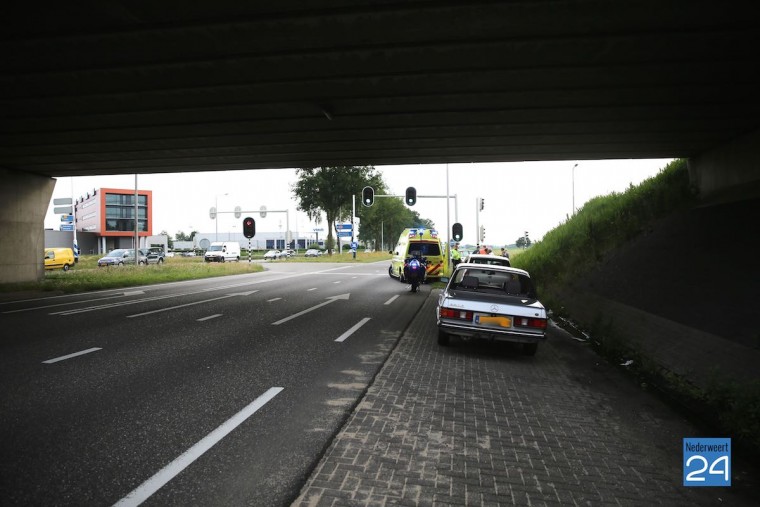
493, 260
153, 255
59, 258
312, 252
289, 252
272, 255
222, 251
188, 254
120, 257
492, 302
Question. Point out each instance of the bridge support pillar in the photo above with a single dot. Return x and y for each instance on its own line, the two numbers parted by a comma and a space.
24, 199
729, 171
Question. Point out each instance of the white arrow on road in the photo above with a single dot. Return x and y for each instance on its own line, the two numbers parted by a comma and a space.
320, 305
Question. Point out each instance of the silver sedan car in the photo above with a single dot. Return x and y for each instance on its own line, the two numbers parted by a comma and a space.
492, 302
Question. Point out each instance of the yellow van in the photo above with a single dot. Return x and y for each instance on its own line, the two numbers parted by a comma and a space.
427, 243
59, 258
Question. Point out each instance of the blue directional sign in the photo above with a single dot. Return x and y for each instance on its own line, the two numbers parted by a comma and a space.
343, 230
67, 227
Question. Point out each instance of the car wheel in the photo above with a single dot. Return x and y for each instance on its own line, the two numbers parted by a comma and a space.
120, 264
390, 271
66, 267
529, 349
221, 259
443, 338
142, 263
401, 275
160, 261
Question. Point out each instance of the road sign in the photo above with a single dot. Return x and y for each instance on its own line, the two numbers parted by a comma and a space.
212, 213
67, 218
344, 234
339, 227
63, 200
62, 210
67, 227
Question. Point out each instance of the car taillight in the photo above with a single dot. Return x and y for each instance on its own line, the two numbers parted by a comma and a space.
530, 322
451, 313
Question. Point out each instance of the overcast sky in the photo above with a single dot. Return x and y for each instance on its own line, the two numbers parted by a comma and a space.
519, 196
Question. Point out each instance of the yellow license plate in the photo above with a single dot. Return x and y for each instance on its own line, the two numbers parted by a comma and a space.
486, 320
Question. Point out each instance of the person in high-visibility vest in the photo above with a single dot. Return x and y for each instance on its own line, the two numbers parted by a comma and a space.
456, 257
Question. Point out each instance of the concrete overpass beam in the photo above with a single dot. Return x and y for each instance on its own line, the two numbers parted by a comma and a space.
25, 199
728, 172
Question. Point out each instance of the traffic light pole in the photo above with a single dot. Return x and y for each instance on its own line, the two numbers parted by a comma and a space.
263, 214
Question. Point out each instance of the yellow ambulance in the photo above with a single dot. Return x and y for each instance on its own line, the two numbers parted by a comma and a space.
429, 245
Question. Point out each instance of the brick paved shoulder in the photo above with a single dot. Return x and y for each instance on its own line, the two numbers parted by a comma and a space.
480, 424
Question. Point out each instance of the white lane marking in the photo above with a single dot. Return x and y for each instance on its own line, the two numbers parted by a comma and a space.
320, 305
352, 330
209, 317
69, 356
143, 300
391, 300
75, 302
337, 281
163, 476
273, 299
192, 304
309, 290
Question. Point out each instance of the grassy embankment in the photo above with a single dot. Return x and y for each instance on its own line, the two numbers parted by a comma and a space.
606, 223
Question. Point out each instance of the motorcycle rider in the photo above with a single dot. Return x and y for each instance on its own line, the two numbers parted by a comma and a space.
414, 269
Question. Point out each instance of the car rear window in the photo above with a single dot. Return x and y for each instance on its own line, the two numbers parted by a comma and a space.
493, 282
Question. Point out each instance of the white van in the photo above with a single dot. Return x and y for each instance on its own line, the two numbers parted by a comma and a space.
222, 251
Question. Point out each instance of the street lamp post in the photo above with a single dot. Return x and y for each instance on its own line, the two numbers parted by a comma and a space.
576, 165
216, 217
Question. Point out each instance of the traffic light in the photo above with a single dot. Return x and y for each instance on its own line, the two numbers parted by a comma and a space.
249, 227
456, 232
482, 203
482, 233
368, 196
411, 196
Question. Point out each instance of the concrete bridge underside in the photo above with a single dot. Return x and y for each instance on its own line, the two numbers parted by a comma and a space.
124, 87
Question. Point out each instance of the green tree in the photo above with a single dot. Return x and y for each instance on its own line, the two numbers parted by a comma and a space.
181, 236
329, 190
523, 242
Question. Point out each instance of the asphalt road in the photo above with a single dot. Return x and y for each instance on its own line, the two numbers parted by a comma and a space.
222, 391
